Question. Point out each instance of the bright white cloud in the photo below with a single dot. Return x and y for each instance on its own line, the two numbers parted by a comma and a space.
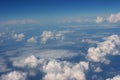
114, 78
99, 19
15, 75
18, 37
32, 40
108, 47
47, 35
56, 70
114, 18
30, 61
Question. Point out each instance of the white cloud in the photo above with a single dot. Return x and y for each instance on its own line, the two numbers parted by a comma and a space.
98, 69
70, 20
89, 41
30, 61
114, 18
18, 37
108, 47
114, 78
15, 75
32, 40
99, 19
56, 70
55, 54
16, 22
47, 35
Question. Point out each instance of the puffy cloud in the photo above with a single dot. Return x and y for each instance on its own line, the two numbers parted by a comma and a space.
32, 40
18, 37
15, 75
46, 35
98, 69
30, 61
54, 69
114, 18
65, 71
108, 47
99, 19
114, 78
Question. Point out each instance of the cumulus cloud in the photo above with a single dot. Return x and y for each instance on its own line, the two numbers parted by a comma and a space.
109, 47
99, 19
98, 69
15, 75
32, 40
114, 18
46, 35
56, 70
18, 37
114, 78
30, 61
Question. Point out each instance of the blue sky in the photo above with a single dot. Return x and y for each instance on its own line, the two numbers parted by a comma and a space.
48, 11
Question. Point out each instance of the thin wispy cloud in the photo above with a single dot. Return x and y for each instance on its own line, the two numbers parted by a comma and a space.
19, 22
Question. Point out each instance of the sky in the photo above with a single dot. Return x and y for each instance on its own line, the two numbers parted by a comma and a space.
56, 11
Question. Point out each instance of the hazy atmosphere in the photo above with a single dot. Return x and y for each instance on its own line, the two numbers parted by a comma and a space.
59, 39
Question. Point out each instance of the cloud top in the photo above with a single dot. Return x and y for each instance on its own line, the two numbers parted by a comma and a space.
65, 71
18, 37
108, 47
15, 75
